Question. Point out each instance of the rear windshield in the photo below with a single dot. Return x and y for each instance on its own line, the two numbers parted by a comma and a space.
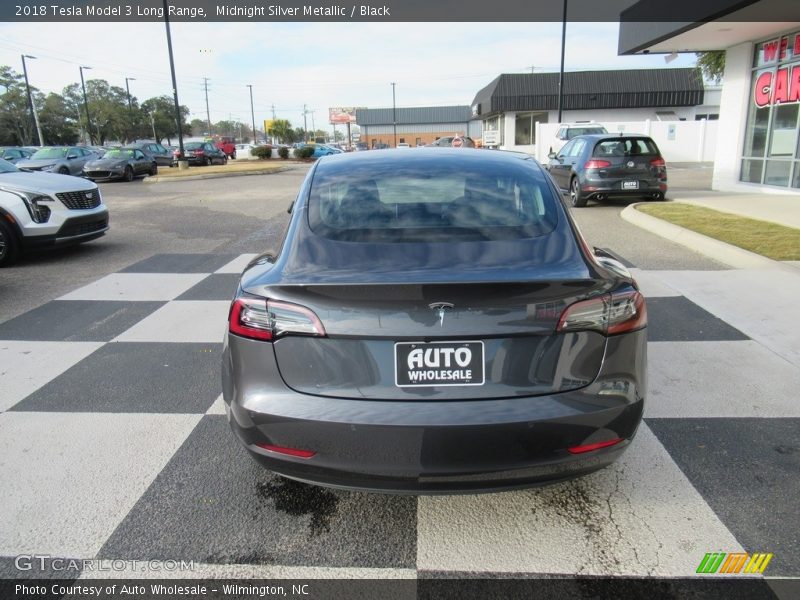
575, 131
430, 201
625, 147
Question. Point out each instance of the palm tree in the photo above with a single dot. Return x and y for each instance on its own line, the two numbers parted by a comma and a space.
280, 129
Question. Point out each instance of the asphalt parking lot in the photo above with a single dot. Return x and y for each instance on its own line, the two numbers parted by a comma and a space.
114, 443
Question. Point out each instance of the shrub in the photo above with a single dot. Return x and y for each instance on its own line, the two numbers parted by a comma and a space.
304, 152
283, 152
261, 151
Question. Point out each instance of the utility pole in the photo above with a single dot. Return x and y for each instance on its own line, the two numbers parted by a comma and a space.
273, 112
253, 114
313, 127
30, 99
208, 112
86, 106
561, 72
305, 124
175, 85
153, 125
394, 116
128, 90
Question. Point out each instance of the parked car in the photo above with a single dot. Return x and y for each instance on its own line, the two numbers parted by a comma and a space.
41, 210
360, 147
403, 145
448, 142
201, 153
596, 167
567, 131
434, 323
66, 160
121, 163
228, 146
14, 154
321, 150
98, 150
161, 154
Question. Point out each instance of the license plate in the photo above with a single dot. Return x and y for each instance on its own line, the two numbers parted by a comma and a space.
419, 364
630, 185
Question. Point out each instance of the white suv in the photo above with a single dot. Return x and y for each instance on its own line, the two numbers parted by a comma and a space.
567, 131
41, 210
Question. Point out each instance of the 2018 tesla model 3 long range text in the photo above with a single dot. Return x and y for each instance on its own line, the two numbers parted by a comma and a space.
434, 322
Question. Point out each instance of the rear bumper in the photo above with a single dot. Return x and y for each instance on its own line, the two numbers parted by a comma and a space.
592, 188
433, 447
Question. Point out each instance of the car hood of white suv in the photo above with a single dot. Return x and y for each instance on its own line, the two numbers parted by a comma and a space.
45, 183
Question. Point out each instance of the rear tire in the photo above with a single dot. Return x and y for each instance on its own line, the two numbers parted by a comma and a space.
153, 170
128, 175
575, 197
207, 162
9, 245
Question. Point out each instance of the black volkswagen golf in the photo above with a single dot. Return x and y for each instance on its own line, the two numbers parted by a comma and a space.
434, 322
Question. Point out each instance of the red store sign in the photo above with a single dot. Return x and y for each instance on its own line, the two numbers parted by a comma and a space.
783, 85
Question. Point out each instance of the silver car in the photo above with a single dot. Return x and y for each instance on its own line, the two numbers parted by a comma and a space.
66, 160
41, 210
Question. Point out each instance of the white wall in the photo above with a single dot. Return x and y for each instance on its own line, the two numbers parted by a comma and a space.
679, 141
734, 103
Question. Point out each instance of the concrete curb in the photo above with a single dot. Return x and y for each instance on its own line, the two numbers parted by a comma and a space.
723, 252
158, 179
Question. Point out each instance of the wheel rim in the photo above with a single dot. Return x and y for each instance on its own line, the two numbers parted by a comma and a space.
3, 245
573, 192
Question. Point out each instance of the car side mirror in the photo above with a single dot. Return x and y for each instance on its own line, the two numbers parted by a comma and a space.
551, 155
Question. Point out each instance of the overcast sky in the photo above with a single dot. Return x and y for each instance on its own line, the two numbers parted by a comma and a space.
320, 65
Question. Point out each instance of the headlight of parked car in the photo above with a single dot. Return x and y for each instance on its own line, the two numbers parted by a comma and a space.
33, 202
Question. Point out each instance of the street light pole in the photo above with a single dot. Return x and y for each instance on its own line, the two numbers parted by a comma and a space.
174, 83
394, 115
130, 107
305, 124
30, 98
253, 114
86, 105
561, 72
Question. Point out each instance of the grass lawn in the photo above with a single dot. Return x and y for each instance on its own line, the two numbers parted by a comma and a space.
768, 239
233, 166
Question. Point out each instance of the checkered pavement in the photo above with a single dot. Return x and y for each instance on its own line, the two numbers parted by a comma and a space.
114, 445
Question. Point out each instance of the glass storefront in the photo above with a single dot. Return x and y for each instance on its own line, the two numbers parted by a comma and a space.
771, 152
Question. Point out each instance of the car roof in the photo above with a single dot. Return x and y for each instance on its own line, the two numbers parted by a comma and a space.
610, 136
464, 156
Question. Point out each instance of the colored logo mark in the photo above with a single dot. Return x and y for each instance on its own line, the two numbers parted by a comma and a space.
736, 562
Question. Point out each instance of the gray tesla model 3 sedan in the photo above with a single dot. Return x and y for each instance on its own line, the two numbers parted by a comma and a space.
434, 322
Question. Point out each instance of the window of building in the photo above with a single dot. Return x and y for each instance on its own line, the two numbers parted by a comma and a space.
525, 127
771, 152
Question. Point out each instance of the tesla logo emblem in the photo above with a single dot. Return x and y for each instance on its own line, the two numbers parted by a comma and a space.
630, 163
440, 308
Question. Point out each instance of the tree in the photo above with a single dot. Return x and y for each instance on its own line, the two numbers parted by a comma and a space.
59, 123
161, 110
199, 127
281, 129
711, 64
16, 125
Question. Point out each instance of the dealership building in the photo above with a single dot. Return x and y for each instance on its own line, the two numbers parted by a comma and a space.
415, 126
758, 146
513, 104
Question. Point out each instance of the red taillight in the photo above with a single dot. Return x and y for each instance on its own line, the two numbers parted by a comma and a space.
591, 447
262, 319
608, 314
249, 318
288, 451
198, 153
658, 162
596, 164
